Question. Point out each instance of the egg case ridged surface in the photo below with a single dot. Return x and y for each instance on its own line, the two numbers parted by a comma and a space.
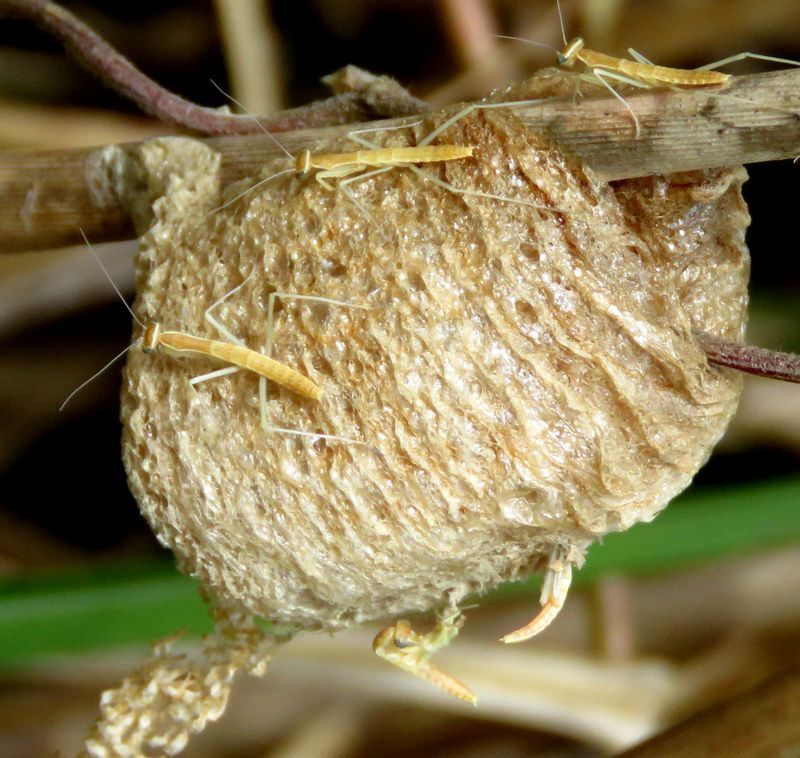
522, 378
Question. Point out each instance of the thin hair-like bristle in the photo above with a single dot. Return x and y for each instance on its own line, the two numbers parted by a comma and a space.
108, 276
270, 135
526, 41
253, 116
94, 376
251, 188
561, 22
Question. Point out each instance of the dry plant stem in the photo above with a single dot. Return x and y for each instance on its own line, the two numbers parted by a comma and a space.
58, 283
28, 126
98, 57
49, 195
567, 692
751, 359
472, 27
251, 53
763, 721
756, 118
612, 622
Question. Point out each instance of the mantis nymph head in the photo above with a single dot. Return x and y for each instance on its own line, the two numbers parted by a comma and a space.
303, 162
569, 55
152, 333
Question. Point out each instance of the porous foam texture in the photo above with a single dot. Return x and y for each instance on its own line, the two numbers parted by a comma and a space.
523, 378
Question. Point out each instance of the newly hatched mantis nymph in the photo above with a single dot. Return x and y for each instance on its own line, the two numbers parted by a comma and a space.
640, 72
181, 344
352, 167
555, 586
401, 645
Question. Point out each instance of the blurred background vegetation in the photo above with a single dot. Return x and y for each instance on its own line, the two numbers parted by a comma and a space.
671, 617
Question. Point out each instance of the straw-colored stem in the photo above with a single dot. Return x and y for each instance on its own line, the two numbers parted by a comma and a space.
765, 720
48, 195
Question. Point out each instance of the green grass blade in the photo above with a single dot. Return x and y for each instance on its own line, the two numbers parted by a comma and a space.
696, 527
97, 608
103, 607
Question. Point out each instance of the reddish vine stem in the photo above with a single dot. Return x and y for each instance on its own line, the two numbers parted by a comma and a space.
97, 56
750, 359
